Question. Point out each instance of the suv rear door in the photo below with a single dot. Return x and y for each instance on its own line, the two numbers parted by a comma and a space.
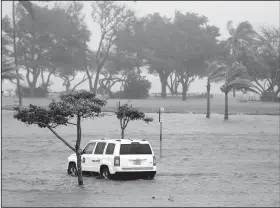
97, 156
108, 157
136, 155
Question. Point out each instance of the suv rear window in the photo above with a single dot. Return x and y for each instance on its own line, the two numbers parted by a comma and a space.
110, 149
100, 148
135, 149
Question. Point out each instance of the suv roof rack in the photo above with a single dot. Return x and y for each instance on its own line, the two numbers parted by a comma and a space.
118, 140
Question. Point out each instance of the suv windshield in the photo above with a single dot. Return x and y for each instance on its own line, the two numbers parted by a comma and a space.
135, 149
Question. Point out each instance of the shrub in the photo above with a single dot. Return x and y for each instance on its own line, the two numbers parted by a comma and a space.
269, 96
136, 87
39, 92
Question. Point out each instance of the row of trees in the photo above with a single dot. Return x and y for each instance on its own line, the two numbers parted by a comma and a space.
178, 50
251, 57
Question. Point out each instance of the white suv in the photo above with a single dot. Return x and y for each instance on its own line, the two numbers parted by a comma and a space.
122, 157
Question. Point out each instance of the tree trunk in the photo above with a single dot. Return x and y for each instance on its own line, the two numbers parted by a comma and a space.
122, 133
170, 87
78, 143
32, 90
163, 89
184, 92
67, 86
79, 166
176, 85
226, 106
208, 101
89, 80
233, 92
96, 79
277, 91
15, 57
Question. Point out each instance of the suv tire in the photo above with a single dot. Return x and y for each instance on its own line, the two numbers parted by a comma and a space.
105, 173
72, 169
150, 176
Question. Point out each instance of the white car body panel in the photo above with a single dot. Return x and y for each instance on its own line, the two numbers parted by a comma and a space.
128, 163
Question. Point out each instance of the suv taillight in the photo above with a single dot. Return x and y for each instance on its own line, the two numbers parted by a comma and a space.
117, 161
154, 161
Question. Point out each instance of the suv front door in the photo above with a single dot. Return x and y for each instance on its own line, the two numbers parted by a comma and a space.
97, 156
86, 156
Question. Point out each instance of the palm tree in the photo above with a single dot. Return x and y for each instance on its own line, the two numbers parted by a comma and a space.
236, 77
239, 37
216, 73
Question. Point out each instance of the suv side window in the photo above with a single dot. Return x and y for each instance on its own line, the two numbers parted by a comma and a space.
89, 148
110, 149
99, 148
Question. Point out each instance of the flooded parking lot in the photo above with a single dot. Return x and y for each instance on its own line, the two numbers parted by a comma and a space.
205, 163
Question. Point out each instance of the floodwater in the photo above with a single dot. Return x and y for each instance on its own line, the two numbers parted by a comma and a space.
205, 163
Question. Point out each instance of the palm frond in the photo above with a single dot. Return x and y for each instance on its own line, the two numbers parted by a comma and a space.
10, 76
251, 89
240, 84
217, 79
237, 71
244, 27
29, 7
230, 28
216, 71
7, 71
220, 71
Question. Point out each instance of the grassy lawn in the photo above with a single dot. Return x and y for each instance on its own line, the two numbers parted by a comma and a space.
173, 105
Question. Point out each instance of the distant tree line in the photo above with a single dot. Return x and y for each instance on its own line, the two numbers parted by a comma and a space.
178, 50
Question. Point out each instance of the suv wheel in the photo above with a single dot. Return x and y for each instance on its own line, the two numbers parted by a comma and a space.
72, 169
150, 176
105, 173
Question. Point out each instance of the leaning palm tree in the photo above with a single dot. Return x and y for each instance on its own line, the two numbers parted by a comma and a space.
240, 36
236, 77
216, 73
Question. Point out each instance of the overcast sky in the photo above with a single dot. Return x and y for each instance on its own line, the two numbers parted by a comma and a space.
258, 13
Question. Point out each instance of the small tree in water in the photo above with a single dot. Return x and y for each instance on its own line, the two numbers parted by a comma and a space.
126, 113
80, 104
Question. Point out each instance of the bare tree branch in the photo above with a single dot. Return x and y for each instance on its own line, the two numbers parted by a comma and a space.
59, 137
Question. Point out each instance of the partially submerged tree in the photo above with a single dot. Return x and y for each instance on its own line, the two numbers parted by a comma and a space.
126, 113
158, 47
195, 42
240, 36
38, 42
80, 104
216, 73
174, 83
262, 60
111, 17
236, 77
